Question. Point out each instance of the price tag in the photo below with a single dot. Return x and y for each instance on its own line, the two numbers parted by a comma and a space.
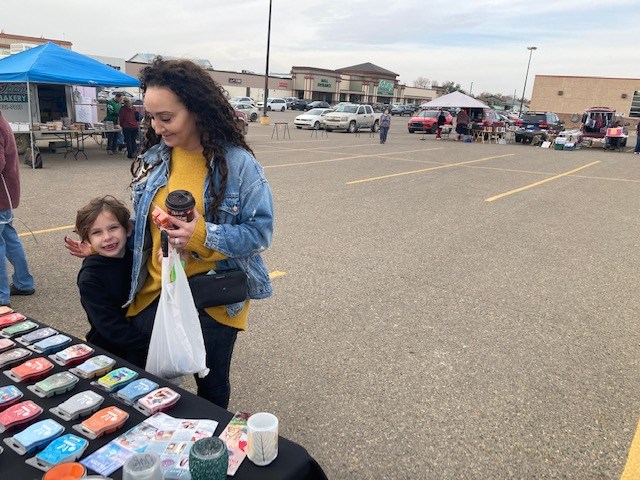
80, 405
7, 320
72, 355
135, 390
35, 436
67, 448
51, 345
55, 384
94, 367
36, 336
18, 328
157, 401
9, 395
103, 422
32, 369
116, 379
13, 356
19, 414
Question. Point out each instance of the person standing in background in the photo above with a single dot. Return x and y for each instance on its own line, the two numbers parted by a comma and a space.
462, 124
442, 119
10, 246
385, 123
128, 118
113, 115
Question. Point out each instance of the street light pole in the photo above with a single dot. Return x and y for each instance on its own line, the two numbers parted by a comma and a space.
531, 49
265, 118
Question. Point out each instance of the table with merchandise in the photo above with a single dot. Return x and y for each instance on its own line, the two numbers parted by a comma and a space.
65, 400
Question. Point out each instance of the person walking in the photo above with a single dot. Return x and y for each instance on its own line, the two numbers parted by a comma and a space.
113, 115
129, 121
442, 119
385, 123
10, 246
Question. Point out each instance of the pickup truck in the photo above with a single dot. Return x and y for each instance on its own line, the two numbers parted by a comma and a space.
352, 118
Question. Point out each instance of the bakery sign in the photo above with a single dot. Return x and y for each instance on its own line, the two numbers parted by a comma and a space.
235, 80
324, 83
13, 93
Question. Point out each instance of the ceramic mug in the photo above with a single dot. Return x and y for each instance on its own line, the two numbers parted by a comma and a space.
262, 438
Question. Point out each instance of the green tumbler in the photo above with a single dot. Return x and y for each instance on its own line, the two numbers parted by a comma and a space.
208, 459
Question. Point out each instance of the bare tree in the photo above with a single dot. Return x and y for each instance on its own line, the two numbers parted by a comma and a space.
422, 82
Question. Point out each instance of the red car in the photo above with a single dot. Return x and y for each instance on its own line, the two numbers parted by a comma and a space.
427, 121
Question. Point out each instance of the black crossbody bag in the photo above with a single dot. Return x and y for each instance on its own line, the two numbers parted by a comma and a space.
222, 288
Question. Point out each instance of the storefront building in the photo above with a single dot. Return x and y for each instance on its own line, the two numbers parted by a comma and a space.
569, 96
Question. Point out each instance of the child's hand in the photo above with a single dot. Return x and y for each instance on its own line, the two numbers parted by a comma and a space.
77, 248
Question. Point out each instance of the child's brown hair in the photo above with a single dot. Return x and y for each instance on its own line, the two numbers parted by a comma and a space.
87, 215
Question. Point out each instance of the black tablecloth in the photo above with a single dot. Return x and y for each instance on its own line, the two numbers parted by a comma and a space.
293, 461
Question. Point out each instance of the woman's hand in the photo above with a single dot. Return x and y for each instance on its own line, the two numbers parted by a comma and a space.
181, 234
77, 248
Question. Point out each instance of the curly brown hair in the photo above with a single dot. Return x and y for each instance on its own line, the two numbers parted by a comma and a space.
88, 214
215, 118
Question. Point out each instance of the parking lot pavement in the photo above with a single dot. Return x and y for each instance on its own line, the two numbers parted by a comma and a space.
418, 330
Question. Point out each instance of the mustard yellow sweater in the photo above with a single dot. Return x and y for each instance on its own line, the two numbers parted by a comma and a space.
186, 172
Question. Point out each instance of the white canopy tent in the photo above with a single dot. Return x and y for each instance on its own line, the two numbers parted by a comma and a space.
454, 100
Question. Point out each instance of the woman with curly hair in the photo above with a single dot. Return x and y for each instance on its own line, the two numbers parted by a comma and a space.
193, 142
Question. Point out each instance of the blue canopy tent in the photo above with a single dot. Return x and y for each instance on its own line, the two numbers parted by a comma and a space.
52, 64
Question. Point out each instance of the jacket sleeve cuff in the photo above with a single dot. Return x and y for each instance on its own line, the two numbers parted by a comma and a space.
197, 243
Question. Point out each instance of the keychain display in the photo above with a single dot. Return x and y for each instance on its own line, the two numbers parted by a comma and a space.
6, 344
11, 319
135, 390
115, 379
19, 328
19, 414
157, 401
35, 436
36, 335
13, 356
102, 422
9, 395
72, 355
32, 369
51, 344
94, 367
80, 405
54, 385
67, 448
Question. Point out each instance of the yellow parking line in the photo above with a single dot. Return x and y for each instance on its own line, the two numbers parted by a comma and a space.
535, 184
632, 468
276, 274
48, 230
446, 165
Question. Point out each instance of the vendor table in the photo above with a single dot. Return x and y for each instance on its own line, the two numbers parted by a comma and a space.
69, 135
293, 461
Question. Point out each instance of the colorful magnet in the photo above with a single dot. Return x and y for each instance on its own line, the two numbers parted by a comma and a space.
50, 345
35, 437
36, 336
32, 369
157, 401
67, 448
94, 367
9, 395
72, 355
6, 344
135, 390
19, 414
115, 379
13, 356
104, 421
55, 384
12, 318
19, 328
80, 405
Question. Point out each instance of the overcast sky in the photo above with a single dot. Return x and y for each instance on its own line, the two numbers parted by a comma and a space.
465, 41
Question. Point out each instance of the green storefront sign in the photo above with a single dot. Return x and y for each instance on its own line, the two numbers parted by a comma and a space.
385, 88
324, 83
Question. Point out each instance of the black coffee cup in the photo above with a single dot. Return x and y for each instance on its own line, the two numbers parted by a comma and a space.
181, 204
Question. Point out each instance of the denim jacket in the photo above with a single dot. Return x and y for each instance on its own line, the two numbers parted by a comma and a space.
245, 218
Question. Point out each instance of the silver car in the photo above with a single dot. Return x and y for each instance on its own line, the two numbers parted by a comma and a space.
314, 118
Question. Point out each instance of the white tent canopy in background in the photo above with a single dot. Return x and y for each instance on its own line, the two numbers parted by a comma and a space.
453, 100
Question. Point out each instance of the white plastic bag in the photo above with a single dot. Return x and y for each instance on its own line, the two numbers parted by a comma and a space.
177, 346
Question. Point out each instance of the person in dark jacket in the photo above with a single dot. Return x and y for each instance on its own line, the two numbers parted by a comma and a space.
113, 115
10, 245
128, 118
105, 277
442, 119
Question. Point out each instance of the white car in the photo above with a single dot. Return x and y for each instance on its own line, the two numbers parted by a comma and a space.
108, 94
276, 104
314, 118
242, 100
252, 112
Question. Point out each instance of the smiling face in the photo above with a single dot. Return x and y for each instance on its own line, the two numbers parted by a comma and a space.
107, 236
171, 119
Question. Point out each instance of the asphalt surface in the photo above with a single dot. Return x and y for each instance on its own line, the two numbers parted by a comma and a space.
417, 330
